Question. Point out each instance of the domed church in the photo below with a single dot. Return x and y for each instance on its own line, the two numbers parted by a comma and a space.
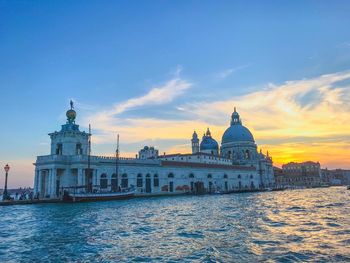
237, 145
70, 166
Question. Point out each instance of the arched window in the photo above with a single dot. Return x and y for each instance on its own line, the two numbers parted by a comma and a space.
139, 180
156, 180
124, 183
114, 182
251, 176
225, 176
239, 176
103, 181
210, 176
170, 175
229, 154
191, 175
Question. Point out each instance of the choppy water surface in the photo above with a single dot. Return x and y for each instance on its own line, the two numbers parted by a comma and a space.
300, 225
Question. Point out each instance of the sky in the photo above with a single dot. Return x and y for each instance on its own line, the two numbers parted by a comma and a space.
155, 71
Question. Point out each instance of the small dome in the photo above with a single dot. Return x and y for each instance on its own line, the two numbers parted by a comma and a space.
208, 143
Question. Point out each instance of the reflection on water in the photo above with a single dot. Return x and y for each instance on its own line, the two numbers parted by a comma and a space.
300, 225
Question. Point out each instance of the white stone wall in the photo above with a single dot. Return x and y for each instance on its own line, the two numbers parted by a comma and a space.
69, 141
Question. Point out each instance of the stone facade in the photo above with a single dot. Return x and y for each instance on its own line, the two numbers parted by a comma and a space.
306, 174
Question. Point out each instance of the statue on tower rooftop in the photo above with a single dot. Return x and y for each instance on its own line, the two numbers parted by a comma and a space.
71, 105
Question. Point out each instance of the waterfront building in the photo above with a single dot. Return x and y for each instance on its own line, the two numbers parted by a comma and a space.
336, 176
305, 174
236, 165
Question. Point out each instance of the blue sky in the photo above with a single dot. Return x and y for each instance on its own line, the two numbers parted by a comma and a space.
102, 54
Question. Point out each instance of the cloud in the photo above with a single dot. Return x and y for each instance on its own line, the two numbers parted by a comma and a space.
156, 96
109, 121
317, 109
228, 72
298, 120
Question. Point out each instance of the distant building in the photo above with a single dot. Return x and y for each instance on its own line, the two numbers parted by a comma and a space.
306, 174
148, 153
336, 176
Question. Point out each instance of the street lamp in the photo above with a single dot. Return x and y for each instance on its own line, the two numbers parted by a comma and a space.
5, 194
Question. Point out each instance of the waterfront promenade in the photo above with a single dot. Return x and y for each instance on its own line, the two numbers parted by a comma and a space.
300, 225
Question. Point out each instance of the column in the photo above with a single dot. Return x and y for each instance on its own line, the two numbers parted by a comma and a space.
39, 183
36, 181
49, 189
80, 178
83, 181
47, 182
53, 183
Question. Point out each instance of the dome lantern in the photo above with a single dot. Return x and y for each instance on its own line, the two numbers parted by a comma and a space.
208, 132
235, 119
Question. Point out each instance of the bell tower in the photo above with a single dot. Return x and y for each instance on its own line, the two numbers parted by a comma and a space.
195, 143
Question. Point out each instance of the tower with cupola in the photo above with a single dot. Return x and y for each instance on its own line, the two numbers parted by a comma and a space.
195, 143
69, 140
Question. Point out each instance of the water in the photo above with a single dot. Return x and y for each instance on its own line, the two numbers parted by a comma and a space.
299, 225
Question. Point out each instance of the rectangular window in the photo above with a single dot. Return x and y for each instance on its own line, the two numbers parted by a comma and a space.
156, 182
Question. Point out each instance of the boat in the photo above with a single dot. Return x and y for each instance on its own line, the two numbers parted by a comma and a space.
217, 192
348, 187
89, 197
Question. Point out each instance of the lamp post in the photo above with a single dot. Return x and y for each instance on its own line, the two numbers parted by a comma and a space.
5, 194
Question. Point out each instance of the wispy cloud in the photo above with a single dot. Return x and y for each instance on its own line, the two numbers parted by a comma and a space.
228, 72
156, 96
108, 121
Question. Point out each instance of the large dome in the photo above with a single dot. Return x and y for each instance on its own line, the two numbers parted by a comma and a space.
237, 132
